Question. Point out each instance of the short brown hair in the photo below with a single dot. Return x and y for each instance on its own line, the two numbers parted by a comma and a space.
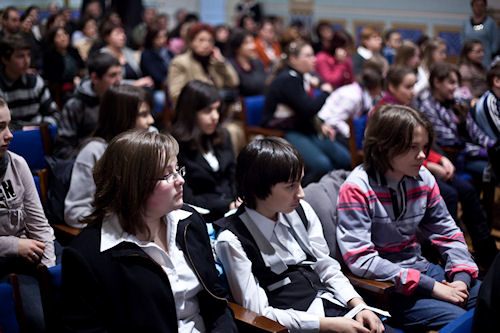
492, 74
368, 32
405, 52
390, 133
126, 175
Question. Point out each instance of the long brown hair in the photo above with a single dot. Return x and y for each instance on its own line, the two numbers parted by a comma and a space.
291, 50
126, 175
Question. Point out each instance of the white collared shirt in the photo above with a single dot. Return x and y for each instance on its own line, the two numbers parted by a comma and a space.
183, 281
245, 287
364, 52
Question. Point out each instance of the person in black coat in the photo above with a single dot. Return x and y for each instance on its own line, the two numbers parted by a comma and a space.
145, 262
61, 63
292, 104
205, 150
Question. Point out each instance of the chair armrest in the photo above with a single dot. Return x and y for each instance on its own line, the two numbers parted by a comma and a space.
255, 130
64, 234
253, 322
372, 286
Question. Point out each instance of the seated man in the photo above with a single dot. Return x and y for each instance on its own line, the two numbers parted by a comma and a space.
274, 253
28, 98
79, 115
384, 204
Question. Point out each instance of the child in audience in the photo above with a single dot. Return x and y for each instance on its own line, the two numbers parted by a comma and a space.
434, 52
274, 253
371, 46
205, 150
453, 124
408, 55
471, 67
145, 263
122, 108
26, 238
487, 108
400, 82
292, 104
393, 41
350, 101
384, 204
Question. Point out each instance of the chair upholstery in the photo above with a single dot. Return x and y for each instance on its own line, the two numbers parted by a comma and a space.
29, 145
8, 319
462, 324
252, 108
357, 129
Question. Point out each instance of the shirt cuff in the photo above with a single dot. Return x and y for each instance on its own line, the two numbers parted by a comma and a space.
464, 277
308, 323
425, 285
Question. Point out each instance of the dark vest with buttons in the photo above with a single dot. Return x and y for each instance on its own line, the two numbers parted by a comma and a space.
305, 283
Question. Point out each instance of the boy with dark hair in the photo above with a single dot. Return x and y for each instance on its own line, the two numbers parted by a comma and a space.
11, 22
29, 99
80, 113
382, 207
273, 249
487, 109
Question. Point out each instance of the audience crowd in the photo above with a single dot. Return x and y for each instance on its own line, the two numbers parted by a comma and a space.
152, 123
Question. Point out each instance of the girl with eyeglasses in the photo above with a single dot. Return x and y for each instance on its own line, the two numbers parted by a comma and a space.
144, 263
122, 108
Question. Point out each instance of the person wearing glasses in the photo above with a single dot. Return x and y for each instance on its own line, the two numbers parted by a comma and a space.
122, 108
144, 263
205, 150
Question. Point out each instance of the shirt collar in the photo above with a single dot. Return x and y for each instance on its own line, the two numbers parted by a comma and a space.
265, 225
113, 234
364, 52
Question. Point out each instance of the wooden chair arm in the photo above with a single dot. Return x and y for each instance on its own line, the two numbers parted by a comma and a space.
372, 286
249, 321
43, 175
254, 130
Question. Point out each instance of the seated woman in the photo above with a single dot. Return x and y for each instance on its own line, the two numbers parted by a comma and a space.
334, 64
26, 238
122, 108
471, 67
132, 270
400, 83
384, 204
62, 65
408, 55
115, 40
205, 150
274, 253
453, 124
291, 106
244, 59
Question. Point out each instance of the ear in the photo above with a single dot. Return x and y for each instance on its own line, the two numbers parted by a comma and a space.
93, 77
496, 81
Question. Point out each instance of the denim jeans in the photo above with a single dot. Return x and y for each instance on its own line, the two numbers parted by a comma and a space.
320, 154
416, 313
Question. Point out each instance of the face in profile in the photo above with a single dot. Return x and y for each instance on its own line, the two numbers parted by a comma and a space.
144, 118
5, 133
404, 92
284, 197
208, 118
409, 162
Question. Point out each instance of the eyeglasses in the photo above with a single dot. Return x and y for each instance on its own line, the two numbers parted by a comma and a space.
172, 177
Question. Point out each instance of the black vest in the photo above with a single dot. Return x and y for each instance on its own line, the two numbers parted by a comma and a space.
305, 283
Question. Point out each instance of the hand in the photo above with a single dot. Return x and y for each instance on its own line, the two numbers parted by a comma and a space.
235, 204
146, 81
328, 131
448, 166
437, 170
341, 325
217, 55
449, 294
370, 319
459, 285
314, 81
327, 87
340, 54
30, 249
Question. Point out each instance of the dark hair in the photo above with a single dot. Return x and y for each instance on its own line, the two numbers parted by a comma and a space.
236, 39
108, 27
49, 40
199, 27
84, 20
150, 37
27, 12
6, 11
118, 110
100, 63
126, 175
12, 43
321, 25
52, 18
441, 71
390, 133
340, 39
194, 97
493, 73
396, 75
370, 79
485, 2
262, 164
464, 53
388, 34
